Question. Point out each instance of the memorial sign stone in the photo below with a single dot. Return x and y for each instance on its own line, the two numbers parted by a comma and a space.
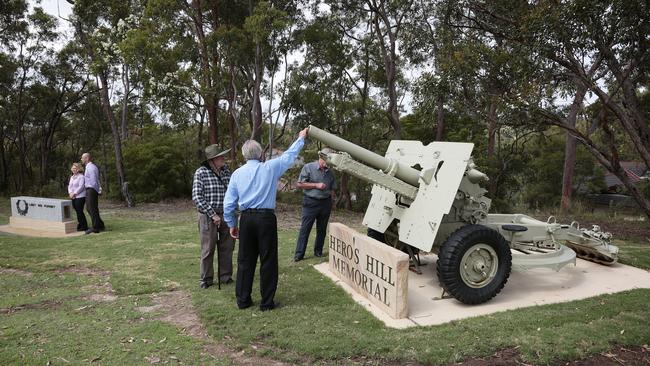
44, 215
375, 270
41, 208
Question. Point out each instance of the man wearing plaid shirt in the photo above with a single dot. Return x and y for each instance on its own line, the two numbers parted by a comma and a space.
208, 190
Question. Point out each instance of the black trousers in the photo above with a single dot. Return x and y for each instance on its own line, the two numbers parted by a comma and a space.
258, 236
313, 210
78, 205
92, 206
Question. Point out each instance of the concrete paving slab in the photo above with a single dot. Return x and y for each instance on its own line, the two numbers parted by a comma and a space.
37, 233
523, 289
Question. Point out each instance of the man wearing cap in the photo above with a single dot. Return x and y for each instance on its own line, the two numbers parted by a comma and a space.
253, 188
208, 190
319, 186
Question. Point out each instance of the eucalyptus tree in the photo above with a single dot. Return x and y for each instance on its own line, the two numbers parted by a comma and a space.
64, 85
600, 46
332, 87
13, 24
30, 45
265, 21
94, 22
388, 20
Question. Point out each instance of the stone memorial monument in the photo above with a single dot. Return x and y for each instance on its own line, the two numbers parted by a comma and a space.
47, 215
373, 269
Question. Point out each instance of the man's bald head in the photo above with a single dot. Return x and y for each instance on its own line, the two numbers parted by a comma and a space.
86, 158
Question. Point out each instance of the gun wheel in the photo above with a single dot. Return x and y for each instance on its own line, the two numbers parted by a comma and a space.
474, 264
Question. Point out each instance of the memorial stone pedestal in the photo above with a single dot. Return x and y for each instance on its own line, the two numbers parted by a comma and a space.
41, 216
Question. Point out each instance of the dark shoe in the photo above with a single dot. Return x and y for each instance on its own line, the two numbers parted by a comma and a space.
82, 229
227, 282
275, 305
205, 285
90, 231
297, 259
244, 306
318, 255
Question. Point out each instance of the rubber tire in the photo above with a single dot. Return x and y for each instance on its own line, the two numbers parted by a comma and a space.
451, 254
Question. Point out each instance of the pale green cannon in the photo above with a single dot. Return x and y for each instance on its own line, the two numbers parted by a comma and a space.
428, 198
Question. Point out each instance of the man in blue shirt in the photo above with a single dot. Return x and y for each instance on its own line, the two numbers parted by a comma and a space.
253, 188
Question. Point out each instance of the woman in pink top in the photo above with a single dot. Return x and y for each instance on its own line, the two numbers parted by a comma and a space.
77, 192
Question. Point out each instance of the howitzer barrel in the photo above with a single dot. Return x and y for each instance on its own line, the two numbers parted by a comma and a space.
389, 166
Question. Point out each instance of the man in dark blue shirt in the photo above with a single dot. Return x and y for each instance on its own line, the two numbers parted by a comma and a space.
319, 185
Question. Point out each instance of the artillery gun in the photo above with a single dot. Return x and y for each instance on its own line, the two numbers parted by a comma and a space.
428, 198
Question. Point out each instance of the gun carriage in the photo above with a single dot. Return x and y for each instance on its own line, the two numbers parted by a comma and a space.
428, 198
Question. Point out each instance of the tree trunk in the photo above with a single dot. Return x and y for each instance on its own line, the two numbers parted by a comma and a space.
3, 160
570, 149
233, 121
440, 117
492, 126
256, 112
110, 117
125, 101
491, 148
213, 127
117, 142
389, 57
22, 149
207, 85
344, 199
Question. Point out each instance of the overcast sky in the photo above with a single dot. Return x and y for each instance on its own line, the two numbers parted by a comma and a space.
58, 8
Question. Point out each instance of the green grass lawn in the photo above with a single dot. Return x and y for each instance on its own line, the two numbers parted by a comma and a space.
53, 319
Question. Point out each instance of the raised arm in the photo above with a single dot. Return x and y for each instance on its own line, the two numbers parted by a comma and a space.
281, 164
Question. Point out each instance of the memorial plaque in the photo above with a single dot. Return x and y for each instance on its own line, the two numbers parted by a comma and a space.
41, 208
375, 270
41, 216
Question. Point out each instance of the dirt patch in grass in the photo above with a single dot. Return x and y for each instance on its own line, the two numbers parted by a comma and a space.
103, 292
15, 272
177, 309
83, 271
43, 305
638, 355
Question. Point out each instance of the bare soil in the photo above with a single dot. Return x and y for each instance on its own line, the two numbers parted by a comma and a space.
637, 355
47, 304
176, 308
83, 271
16, 272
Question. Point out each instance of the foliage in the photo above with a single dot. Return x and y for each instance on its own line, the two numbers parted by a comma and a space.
544, 175
161, 165
225, 71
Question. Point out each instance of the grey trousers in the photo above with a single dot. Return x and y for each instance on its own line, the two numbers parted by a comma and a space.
215, 238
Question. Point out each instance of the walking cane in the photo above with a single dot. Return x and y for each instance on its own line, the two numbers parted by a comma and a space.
218, 258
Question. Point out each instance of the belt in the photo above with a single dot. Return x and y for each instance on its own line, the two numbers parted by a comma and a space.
318, 199
258, 210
